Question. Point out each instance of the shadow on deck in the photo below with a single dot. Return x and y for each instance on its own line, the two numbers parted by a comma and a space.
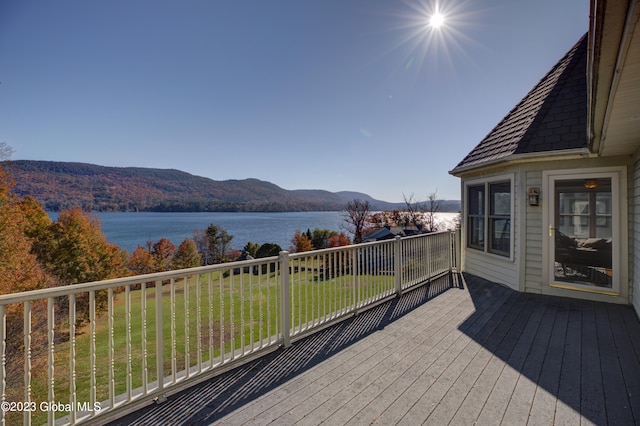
211, 400
460, 350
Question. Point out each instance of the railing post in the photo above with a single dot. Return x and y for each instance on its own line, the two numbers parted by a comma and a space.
285, 299
397, 265
455, 250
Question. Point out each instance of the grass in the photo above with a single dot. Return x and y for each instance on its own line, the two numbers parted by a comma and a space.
212, 313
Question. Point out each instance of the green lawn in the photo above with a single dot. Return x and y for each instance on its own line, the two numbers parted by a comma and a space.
212, 314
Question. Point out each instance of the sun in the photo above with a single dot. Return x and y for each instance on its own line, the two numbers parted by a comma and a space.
437, 20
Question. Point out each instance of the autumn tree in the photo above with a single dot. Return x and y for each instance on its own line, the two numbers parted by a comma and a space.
338, 240
19, 271
162, 252
19, 267
357, 218
320, 237
300, 243
77, 250
141, 261
186, 255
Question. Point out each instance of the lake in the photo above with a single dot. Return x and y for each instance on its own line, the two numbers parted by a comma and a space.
128, 230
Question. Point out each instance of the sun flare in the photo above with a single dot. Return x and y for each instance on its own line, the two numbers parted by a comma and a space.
436, 20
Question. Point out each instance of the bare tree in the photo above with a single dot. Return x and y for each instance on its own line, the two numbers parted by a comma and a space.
414, 214
432, 206
5, 151
357, 218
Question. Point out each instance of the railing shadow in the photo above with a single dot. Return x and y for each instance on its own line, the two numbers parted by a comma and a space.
211, 400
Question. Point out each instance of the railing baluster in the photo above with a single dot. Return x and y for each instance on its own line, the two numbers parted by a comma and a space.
267, 286
313, 289
210, 288
199, 323
251, 319
222, 313
51, 321
127, 308
93, 397
159, 337
232, 322
112, 364
174, 366
308, 292
72, 354
27, 359
143, 309
260, 313
187, 340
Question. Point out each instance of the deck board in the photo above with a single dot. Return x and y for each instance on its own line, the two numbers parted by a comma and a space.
478, 353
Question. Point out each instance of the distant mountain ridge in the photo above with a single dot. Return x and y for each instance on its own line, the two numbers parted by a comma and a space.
59, 185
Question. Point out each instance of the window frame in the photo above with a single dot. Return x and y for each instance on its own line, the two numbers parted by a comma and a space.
474, 216
490, 216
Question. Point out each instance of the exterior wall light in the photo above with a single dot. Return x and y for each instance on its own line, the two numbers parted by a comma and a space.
534, 196
591, 184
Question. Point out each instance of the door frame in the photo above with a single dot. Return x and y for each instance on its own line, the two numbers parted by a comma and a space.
619, 225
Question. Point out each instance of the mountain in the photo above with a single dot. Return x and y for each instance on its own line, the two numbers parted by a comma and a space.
60, 185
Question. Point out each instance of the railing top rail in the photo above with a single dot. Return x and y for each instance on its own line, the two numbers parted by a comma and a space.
335, 249
7, 299
430, 234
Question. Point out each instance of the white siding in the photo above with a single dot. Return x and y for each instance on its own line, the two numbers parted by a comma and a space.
527, 270
534, 234
634, 241
493, 267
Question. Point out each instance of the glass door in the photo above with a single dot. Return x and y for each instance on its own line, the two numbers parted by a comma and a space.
583, 232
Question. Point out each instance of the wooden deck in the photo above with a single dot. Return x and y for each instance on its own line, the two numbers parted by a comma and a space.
459, 351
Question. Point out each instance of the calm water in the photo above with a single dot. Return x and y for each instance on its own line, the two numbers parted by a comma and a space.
128, 230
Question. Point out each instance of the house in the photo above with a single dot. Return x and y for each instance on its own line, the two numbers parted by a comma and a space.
551, 196
388, 232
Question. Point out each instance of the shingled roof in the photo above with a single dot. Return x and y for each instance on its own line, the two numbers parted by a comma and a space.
551, 117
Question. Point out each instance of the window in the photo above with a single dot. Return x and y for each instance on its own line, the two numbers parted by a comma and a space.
500, 218
476, 217
489, 217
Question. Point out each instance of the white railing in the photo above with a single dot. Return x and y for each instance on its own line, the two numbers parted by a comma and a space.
91, 351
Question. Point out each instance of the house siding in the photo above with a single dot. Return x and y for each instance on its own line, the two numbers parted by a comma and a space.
527, 270
533, 235
490, 266
634, 232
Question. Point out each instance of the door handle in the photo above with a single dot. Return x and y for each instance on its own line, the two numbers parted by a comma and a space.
551, 230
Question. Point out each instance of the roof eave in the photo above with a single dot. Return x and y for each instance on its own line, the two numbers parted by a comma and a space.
608, 30
566, 154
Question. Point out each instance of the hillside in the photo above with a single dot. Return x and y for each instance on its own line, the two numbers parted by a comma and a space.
59, 185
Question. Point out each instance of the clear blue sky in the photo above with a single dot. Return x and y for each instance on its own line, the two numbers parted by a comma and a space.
359, 95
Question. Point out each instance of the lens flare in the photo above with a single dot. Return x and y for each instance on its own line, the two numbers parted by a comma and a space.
436, 20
